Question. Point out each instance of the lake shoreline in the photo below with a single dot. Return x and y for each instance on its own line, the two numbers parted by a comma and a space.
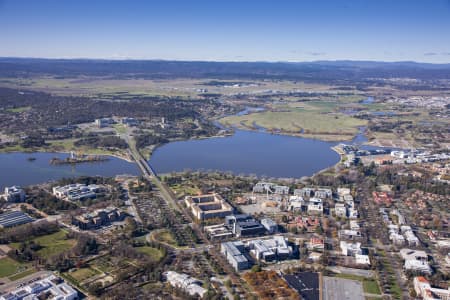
242, 161
20, 170
39, 150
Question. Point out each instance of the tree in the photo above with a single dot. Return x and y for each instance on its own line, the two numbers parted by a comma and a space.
95, 288
256, 268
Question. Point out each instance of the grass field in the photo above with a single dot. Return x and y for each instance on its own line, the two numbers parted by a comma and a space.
19, 109
54, 243
22, 274
180, 190
299, 120
10, 267
103, 264
319, 119
165, 236
154, 253
83, 274
51, 244
120, 128
370, 286
62, 145
128, 88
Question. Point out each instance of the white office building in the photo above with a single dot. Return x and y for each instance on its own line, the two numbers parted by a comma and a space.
191, 285
14, 194
350, 249
51, 287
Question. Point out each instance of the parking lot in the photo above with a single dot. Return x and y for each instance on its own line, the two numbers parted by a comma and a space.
306, 284
343, 289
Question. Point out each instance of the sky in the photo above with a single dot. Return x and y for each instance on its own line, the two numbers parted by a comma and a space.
228, 30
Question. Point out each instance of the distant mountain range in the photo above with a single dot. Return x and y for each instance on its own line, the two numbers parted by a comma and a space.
336, 71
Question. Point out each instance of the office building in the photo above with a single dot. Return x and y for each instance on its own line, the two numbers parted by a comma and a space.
14, 194
208, 206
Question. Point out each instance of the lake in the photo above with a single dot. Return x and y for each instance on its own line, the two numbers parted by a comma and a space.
16, 169
368, 100
247, 152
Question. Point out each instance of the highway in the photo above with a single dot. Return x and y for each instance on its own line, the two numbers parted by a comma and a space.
168, 196
149, 173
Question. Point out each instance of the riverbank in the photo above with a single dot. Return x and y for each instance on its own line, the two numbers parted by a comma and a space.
19, 170
332, 137
148, 151
18, 149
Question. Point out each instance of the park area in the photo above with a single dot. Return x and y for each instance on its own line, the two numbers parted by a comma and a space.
107, 269
103, 269
164, 236
153, 253
13, 270
51, 244
314, 119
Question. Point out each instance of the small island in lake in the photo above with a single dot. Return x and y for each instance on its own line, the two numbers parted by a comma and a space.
76, 158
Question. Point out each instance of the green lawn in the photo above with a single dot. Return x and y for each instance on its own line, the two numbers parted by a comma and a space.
297, 119
63, 145
19, 109
154, 253
103, 264
165, 236
120, 128
83, 274
22, 274
54, 243
370, 286
396, 290
51, 244
316, 118
349, 276
10, 267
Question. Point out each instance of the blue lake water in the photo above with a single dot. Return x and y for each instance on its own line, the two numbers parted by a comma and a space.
368, 100
247, 152
16, 169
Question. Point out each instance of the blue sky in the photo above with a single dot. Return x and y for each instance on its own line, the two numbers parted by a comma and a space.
229, 30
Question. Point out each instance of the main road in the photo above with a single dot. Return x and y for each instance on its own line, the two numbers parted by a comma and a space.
167, 194
148, 171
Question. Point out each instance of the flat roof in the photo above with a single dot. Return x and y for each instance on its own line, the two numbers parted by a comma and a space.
240, 258
249, 224
14, 218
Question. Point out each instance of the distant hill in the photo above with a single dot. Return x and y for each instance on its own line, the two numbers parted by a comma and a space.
324, 71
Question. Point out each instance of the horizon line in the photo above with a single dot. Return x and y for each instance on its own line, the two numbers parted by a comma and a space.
221, 61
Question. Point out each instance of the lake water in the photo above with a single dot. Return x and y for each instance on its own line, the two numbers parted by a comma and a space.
368, 100
247, 152
16, 169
